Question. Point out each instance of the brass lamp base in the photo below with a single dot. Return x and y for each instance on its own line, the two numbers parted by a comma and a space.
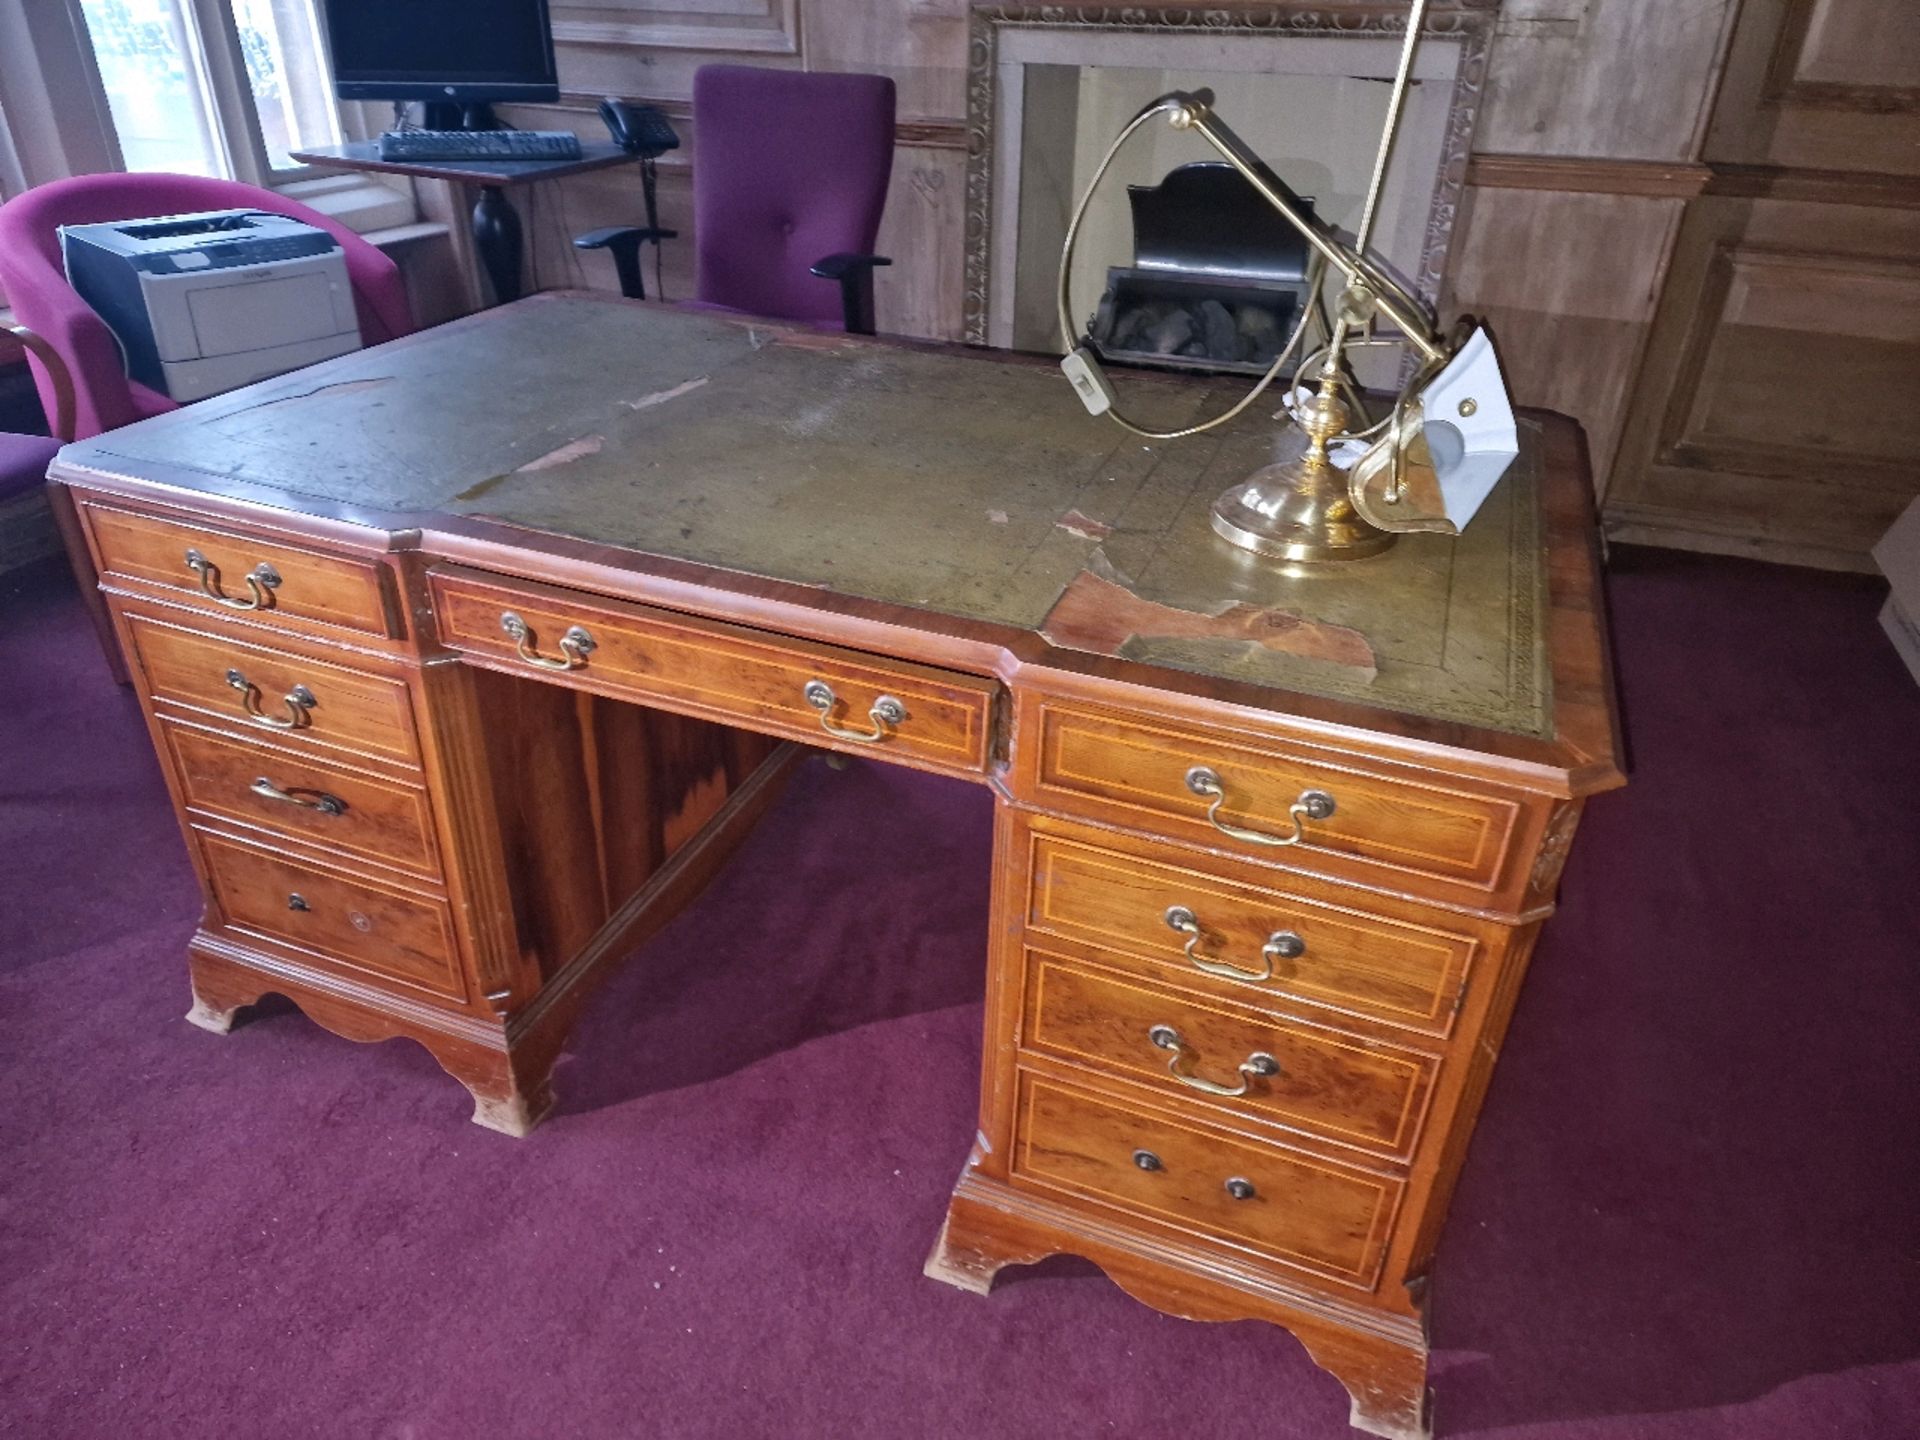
1296, 510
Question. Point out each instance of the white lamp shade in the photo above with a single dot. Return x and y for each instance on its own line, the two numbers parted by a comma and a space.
1466, 418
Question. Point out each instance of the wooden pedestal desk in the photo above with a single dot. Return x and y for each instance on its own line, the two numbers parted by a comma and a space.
469, 657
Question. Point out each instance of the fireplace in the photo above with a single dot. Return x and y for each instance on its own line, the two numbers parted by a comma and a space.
1049, 87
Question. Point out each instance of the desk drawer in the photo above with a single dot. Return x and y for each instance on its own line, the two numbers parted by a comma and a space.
1268, 938
294, 794
238, 572
289, 697
1164, 1167
357, 924
1345, 1089
938, 719
1140, 770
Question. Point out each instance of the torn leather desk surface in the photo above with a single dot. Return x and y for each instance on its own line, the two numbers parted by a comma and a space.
914, 475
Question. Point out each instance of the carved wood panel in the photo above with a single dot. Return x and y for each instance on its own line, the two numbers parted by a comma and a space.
1820, 328
753, 27
1777, 411
1625, 79
1822, 84
1774, 413
1567, 282
1842, 54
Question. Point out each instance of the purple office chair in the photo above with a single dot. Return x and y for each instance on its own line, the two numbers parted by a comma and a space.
789, 182
36, 286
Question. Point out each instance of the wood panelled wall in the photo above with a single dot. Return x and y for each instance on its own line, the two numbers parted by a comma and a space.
1653, 247
1777, 410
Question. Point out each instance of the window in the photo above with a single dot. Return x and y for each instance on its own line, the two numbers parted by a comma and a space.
214, 87
287, 74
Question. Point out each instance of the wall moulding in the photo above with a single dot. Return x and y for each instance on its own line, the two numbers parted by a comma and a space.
1588, 175
1465, 23
745, 27
910, 132
1831, 187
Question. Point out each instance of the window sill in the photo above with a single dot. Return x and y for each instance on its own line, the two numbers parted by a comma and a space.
362, 203
396, 237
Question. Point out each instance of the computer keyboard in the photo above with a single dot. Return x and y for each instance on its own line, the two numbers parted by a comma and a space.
479, 145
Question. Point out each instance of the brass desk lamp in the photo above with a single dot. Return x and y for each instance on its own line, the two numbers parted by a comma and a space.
1427, 465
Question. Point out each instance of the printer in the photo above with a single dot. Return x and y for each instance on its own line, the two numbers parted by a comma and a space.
206, 303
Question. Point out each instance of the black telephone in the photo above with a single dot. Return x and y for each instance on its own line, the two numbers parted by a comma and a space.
638, 129
644, 132
641, 130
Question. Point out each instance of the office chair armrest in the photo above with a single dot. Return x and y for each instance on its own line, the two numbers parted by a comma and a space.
625, 242
855, 276
622, 234
61, 378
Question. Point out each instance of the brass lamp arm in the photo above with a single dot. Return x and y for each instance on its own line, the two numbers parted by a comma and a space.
1195, 112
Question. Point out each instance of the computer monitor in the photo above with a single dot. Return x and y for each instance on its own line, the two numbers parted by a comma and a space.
464, 52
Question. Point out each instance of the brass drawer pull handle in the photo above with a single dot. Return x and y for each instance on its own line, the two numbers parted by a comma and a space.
1240, 1188
299, 702
261, 580
323, 802
1254, 1067
1204, 781
1281, 945
575, 645
886, 713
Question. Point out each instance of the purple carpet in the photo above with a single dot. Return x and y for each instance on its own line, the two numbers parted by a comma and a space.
1690, 1211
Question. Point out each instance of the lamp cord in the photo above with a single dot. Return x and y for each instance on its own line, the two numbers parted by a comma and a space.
1316, 271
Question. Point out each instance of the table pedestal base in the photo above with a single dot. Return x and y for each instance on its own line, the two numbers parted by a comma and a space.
1380, 1358
497, 239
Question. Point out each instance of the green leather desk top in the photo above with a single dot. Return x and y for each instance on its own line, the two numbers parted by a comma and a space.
937, 478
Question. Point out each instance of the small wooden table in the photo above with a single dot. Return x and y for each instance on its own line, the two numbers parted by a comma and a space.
496, 224
469, 656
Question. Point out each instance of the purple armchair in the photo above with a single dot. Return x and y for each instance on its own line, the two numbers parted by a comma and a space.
36, 286
24, 458
789, 182
23, 467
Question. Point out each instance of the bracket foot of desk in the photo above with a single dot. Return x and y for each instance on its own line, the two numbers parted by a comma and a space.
1380, 1360
971, 1266
211, 1018
507, 1078
1386, 1382
515, 1114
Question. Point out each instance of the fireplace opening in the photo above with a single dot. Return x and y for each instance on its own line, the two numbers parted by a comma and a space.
1218, 279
